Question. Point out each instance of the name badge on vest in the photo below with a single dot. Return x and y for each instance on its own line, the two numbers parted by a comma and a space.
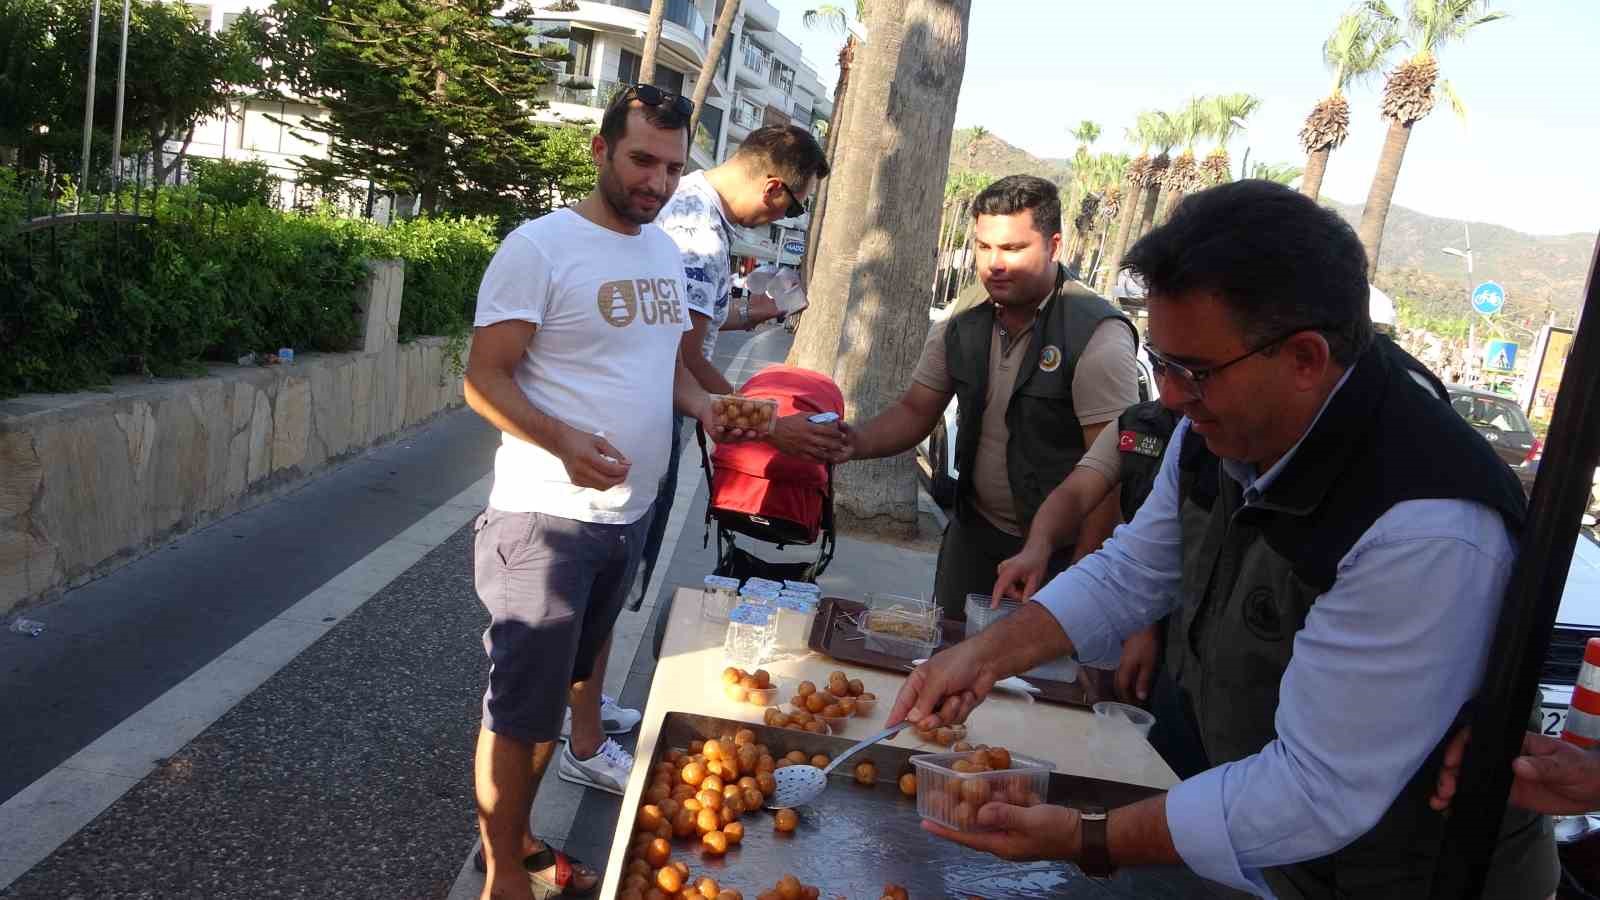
1050, 358
1131, 441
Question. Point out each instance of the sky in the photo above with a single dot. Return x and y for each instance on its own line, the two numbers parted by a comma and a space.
1035, 68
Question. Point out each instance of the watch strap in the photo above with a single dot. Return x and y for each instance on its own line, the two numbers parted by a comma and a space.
1096, 857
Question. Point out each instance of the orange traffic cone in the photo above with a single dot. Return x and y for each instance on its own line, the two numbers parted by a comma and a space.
1582, 728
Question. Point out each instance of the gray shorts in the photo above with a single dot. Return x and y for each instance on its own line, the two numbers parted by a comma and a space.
553, 588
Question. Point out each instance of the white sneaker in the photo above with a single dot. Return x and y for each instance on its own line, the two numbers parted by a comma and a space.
607, 770
614, 718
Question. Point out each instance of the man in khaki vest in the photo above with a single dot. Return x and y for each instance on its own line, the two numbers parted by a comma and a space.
1038, 369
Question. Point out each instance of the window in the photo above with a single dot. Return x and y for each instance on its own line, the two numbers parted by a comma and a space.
666, 79
628, 67
709, 129
228, 19
260, 132
781, 77
581, 46
202, 12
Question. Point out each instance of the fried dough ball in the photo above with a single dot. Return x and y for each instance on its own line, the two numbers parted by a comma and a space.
866, 773
714, 843
649, 818
734, 832
785, 820
908, 785
658, 853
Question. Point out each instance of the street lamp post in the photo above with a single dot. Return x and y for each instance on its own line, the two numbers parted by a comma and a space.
1472, 319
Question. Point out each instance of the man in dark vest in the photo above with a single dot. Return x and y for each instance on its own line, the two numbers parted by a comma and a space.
1037, 371
1332, 544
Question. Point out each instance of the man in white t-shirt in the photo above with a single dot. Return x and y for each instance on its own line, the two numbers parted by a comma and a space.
767, 179
575, 359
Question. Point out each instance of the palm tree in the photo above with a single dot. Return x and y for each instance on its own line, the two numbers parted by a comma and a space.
868, 313
1161, 129
1358, 47
708, 68
1285, 174
833, 17
1193, 122
1408, 96
1226, 114
1085, 134
1128, 202
652, 42
1093, 179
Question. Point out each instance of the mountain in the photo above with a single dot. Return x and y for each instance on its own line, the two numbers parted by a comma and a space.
1541, 273
991, 155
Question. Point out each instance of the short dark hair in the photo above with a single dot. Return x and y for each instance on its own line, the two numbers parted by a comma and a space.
786, 151
614, 122
1015, 193
1277, 259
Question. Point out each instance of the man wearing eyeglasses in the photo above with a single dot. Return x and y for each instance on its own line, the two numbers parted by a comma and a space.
1037, 370
766, 179
1334, 587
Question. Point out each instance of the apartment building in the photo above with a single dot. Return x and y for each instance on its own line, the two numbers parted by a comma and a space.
761, 80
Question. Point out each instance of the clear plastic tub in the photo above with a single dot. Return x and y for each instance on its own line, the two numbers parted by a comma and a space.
795, 616
748, 413
719, 596
764, 585
953, 798
802, 587
1108, 713
904, 634
980, 616
748, 640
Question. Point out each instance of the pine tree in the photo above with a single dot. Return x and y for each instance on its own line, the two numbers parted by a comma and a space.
426, 97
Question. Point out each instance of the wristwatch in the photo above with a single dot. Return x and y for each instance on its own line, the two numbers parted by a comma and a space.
1095, 861
744, 312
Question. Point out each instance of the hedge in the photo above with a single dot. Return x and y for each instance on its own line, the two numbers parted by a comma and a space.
81, 303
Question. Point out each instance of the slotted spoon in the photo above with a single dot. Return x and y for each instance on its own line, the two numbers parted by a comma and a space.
799, 785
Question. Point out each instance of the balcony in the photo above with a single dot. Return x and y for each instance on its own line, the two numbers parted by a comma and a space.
580, 91
759, 15
754, 64
680, 12
746, 115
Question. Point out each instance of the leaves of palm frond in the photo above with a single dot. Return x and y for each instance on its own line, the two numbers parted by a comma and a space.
1327, 126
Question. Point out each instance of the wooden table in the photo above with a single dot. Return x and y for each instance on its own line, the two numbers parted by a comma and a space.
688, 678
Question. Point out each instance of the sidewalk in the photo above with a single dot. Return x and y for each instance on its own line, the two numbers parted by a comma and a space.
284, 704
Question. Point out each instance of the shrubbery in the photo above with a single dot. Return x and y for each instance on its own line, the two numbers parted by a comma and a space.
80, 303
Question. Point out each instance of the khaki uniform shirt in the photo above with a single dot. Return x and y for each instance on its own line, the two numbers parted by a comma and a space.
1105, 382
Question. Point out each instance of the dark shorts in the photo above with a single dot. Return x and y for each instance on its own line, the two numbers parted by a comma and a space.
553, 588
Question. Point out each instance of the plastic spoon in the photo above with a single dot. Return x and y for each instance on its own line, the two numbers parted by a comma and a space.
799, 785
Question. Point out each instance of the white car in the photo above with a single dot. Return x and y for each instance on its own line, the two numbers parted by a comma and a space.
1577, 620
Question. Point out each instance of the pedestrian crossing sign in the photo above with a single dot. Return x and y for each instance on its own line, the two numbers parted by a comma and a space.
1500, 356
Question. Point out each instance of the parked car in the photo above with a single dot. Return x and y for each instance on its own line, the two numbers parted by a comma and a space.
1577, 620
1501, 422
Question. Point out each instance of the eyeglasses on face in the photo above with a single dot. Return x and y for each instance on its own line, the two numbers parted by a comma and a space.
1192, 379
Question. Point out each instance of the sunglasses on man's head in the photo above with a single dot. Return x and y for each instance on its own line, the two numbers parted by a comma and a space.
650, 95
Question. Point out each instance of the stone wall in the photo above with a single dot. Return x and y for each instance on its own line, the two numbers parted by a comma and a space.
91, 480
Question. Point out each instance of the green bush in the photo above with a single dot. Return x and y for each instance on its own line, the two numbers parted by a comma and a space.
80, 303
233, 182
445, 259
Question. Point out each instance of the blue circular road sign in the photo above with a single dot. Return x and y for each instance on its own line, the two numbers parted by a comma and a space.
1488, 298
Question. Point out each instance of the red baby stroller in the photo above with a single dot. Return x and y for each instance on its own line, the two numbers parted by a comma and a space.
761, 493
